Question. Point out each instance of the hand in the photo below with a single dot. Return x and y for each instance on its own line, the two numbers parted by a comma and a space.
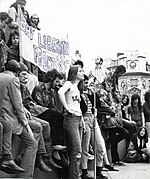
2, 43
30, 133
83, 126
28, 114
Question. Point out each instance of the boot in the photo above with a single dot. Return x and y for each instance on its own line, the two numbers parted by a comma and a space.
39, 163
99, 174
50, 162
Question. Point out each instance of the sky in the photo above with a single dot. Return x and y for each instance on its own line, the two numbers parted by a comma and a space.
94, 27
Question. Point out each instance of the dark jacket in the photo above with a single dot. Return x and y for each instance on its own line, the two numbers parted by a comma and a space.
146, 111
102, 108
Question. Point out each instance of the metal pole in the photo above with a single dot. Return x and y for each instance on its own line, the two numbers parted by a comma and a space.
94, 128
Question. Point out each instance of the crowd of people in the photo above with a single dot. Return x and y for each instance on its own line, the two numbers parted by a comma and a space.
63, 120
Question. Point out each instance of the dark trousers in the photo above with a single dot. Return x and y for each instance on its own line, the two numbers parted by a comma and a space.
116, 135
55, 120
132, 134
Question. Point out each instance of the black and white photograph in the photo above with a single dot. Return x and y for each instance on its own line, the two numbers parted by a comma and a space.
74, 89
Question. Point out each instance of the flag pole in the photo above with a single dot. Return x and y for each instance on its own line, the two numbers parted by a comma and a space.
19, 29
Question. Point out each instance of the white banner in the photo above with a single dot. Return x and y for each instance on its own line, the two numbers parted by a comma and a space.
45, 51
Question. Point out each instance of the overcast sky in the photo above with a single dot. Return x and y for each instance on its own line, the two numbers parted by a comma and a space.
95, 27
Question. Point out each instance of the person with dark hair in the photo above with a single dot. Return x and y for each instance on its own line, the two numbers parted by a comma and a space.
142, 138
117, 132
136, 116
129, 125
13, 44
87, 102
146, 110
5, 20
135, 111
124, 105
34, 21
30, 105
70, 97
13, 10
120, 70
12, 109
79, 62
43, 95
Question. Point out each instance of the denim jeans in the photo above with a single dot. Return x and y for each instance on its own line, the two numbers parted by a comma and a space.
73, 132
29, 156
6, 139
89, 136
46, 134
41, 145
148, 128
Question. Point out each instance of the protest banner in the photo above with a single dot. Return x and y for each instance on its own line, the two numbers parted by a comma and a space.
43, 50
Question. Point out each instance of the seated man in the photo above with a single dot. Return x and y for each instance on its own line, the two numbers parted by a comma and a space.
43, 95
12, 110
37, 109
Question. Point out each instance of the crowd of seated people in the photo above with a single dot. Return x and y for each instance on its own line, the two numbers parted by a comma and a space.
56, 119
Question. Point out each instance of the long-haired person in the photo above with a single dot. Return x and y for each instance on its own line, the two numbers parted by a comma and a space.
13, 44
70, 97
146, 110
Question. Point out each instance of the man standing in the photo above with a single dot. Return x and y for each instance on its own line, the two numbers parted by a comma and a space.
11, 109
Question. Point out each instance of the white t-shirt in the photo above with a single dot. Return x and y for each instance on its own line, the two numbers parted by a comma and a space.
73, 99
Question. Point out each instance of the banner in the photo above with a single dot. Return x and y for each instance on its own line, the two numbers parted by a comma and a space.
43, 50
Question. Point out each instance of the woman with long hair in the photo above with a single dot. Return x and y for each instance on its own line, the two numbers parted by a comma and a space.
13, 44
135, 111
69, 95
146, 110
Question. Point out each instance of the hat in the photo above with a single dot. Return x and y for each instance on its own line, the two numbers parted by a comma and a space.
23, 67
12, 65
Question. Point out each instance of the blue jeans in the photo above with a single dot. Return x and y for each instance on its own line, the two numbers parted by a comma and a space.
89, 137
46, 133
73, 132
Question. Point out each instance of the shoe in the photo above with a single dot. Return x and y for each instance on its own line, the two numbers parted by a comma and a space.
120, 163
111, 168
101, 176
87, 176
59, 147
56, 154
10, 167
39, 163
50, 162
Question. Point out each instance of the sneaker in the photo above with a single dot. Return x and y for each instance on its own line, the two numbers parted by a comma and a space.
120, 163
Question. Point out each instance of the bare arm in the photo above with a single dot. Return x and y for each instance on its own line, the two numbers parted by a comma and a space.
62, 92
